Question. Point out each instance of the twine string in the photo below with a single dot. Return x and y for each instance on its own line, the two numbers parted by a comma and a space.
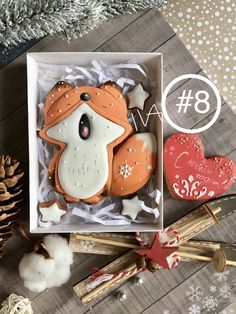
103, 277
16, 304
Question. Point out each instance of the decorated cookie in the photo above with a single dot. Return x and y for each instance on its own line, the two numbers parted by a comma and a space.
192, 176
137, 97
131, 207
52, 210
86, 124
134, 163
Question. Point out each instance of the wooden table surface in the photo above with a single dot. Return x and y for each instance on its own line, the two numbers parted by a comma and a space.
162, 291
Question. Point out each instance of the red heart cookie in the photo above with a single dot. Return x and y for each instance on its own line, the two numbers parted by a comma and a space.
192, 176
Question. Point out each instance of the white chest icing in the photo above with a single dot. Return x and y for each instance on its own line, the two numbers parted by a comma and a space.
84, 166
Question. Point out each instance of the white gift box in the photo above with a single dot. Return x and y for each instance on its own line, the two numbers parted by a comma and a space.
153, 63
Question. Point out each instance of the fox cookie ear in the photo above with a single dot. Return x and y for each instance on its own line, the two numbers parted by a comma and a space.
116, 92
60, 88
112, 88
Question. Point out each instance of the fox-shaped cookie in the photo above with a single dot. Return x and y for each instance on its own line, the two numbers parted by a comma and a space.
98, 154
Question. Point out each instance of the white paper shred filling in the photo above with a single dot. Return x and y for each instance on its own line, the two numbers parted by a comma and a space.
107, 211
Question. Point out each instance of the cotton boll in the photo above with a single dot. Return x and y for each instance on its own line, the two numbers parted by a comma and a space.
35, 267
48, 266
58, 249
60, 276
36, 286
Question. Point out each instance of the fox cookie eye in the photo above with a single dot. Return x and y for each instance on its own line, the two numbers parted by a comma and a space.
84, 127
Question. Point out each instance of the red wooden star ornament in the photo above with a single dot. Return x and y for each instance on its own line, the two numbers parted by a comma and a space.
158, 253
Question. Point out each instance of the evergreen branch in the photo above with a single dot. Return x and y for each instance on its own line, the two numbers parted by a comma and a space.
23, 20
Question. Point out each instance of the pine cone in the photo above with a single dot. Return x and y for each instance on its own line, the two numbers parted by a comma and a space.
10, 174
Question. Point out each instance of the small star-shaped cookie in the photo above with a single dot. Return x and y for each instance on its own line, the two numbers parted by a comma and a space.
131, 207
52, 210
137, 97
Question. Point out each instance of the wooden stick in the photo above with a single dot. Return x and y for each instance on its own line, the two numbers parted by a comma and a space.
231, 263
109, 242
202, 258
100, 289
195, 256
202, 245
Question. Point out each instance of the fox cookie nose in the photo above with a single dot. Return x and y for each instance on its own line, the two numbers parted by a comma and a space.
85, 96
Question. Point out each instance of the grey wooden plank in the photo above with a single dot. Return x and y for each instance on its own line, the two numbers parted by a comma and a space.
14, 135
142, 35
177, 60
220, 137
10, 281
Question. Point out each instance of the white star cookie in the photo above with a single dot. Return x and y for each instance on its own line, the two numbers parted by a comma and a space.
52, 210
137, 97
131, 207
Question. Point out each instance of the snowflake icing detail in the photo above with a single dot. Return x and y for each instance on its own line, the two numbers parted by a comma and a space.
86, 244
222, 276
194, 309
194, 293
225, 292
125, 171
210, 303
149, 167
166, 312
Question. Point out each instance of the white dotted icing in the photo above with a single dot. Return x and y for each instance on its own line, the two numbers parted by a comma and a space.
91, 167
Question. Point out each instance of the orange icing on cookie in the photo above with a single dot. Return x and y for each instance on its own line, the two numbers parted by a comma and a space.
106, 101
133, 164
84, 167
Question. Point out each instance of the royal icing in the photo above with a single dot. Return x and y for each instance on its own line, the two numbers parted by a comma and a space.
131, 207
83, 167
125, 171
137, 97
133, 164
192, 176
52, 211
